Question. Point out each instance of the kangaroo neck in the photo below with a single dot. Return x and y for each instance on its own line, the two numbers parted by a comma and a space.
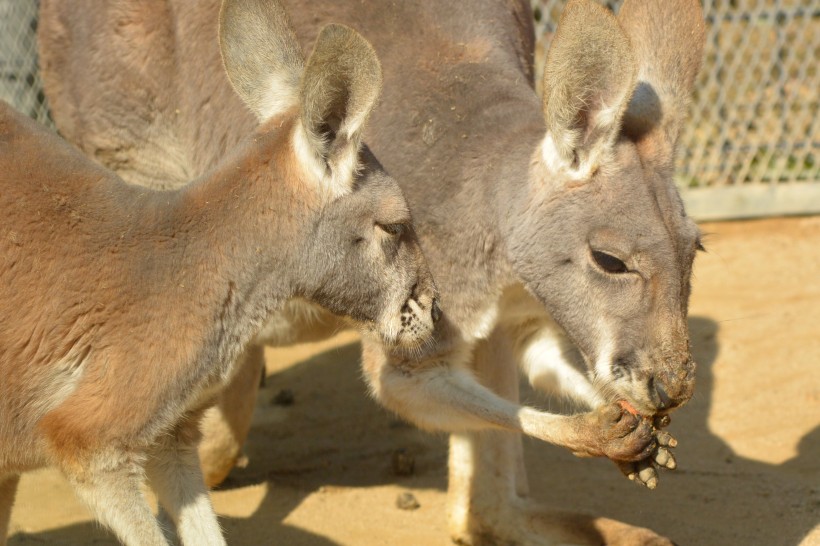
228, 238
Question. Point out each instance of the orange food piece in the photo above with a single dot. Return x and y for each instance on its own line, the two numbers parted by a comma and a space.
628, 407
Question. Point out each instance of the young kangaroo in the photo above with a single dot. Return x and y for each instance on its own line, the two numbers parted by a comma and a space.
124, 308
553, 228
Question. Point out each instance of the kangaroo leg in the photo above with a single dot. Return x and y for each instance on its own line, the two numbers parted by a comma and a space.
8, 488
474, 496
176, 478
225, 426
487, 490
110, 486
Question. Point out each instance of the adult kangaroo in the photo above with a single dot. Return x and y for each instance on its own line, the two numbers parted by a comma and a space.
553, 228
124, 308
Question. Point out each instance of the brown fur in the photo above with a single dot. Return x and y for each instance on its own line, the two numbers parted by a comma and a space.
125, 308
509, 216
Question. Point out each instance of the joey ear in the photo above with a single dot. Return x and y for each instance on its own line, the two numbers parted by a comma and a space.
668, 37
589, 76
261, 55
340, 87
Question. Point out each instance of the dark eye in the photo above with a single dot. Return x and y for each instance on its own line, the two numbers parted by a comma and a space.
393, 229
608, 262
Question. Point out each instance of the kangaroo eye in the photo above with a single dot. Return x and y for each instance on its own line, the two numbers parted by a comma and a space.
393, 229
608, 262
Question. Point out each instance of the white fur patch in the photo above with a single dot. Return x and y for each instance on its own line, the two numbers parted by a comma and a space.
542, 350
558, 165
306, 154
603, 364
354, 123
279, 95
462, 470
545, 363
63, 379
279, 329
486, 322
182, 492
608, 116
549, 153
343, 169
331, 184
588, 163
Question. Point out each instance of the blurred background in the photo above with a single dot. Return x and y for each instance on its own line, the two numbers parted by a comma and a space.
325, 465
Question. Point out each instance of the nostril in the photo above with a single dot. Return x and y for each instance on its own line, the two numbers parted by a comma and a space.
664, 401
435, 311
414, 292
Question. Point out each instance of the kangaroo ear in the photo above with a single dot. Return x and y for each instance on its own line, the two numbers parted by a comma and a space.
589, 76
341, 85
261, 55
668, 37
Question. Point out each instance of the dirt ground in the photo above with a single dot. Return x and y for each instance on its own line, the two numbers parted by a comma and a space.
319, 471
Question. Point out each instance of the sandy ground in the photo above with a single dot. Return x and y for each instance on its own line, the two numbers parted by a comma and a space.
320, 471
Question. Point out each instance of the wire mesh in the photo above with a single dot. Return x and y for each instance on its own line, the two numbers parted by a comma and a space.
19, 78
752, 138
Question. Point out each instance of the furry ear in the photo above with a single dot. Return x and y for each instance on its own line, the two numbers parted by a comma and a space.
261, 55
335, 91
589, 76
341, 85
666, 74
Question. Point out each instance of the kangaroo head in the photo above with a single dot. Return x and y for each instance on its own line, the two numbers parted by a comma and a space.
608, 247
358, 255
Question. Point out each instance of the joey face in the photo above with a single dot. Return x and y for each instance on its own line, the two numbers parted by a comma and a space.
370, 267
612, 263
362, 259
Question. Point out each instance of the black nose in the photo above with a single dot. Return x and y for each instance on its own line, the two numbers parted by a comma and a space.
435, 311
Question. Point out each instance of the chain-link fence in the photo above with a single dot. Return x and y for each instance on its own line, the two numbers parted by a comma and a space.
752, 143
19, 79
751, 148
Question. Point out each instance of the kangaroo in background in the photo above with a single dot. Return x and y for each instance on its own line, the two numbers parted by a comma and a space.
124, 308
554, 229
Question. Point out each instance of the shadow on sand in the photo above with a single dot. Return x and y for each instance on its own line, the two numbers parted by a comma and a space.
335, 435
714, 498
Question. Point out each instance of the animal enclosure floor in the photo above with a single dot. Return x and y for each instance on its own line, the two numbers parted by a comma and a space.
320, 469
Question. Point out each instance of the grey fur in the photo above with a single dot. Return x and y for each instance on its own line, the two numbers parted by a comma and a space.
462, 129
